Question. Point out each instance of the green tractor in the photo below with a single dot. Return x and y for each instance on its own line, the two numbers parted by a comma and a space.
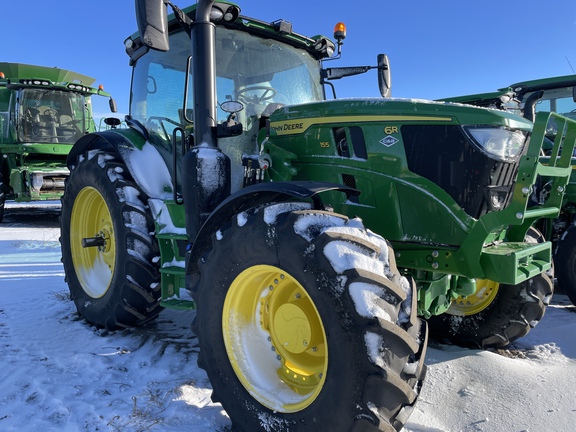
43, 112
240, 192
527, 98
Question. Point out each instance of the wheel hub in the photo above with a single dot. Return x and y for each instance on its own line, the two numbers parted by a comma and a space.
92, 242
269, 320
292, 328
486, 291
101, 241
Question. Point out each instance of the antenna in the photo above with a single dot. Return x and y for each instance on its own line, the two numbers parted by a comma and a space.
573, 71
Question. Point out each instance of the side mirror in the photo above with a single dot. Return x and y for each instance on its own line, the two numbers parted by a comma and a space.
384, 76
152, 19
113, 106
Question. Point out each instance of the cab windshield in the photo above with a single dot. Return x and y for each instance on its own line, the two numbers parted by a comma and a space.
558, 100
262, 74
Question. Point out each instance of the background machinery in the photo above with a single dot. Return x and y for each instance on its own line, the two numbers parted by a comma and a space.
43, 112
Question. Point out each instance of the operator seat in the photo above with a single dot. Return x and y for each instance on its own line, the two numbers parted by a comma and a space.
47, 122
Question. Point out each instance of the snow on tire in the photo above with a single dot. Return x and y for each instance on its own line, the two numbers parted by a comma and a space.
304, 323
107, 248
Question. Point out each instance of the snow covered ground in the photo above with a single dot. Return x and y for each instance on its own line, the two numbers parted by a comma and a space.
57, 373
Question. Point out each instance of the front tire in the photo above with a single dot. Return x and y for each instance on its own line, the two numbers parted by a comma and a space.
305, 324
495, 316
114, 284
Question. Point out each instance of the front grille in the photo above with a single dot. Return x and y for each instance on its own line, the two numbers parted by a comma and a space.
445, 156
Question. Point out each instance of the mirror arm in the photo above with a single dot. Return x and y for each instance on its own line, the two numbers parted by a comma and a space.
337, 73
183, 19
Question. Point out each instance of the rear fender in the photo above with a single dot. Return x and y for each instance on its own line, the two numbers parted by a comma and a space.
255, 196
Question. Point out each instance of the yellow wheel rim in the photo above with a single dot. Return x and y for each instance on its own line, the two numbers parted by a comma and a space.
486, 291
275, 339
91, 218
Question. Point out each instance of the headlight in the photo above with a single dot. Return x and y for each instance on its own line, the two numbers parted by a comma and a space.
499, 143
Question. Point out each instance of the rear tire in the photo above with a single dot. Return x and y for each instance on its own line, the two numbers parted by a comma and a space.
565, 263
304, 323
115, 285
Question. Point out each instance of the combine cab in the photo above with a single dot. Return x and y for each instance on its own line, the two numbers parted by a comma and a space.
43, 112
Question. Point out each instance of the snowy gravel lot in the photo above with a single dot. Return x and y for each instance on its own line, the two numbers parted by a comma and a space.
57, 373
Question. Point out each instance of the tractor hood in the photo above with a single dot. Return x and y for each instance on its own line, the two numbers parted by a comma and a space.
459, 162
297, 119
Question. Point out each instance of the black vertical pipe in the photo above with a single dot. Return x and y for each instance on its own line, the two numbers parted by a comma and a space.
205, 168
204, 70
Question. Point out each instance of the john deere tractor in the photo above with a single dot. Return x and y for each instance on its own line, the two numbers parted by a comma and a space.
527, 98
43, 111
240, 191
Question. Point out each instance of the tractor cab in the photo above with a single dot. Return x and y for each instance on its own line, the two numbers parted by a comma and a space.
258, 73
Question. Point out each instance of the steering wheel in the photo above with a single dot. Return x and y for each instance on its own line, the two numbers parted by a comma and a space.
50, 112
268, 94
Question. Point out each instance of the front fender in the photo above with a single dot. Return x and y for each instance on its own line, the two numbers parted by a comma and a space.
255, 196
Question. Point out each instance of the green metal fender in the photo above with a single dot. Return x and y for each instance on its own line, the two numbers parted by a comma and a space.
254, 196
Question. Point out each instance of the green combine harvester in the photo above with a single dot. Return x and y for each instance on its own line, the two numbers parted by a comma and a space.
43, 112
306, 235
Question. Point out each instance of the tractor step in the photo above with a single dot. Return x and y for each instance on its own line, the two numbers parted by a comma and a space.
173, 280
